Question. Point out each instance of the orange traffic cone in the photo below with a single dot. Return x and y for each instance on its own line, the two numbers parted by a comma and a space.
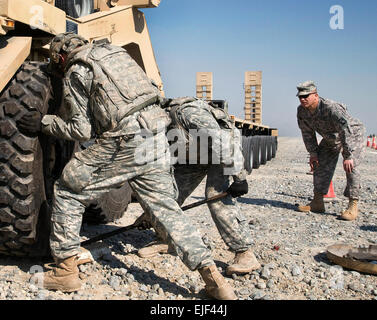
368, 141
330, 196
374, 143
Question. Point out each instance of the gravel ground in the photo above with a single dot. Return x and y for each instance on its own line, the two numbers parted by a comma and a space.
290, 245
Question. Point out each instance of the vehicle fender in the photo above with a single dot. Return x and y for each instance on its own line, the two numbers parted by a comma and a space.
13, 53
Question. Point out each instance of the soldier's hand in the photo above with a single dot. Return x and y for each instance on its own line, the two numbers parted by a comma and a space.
314, 163
348, 165
30, 122
238, 188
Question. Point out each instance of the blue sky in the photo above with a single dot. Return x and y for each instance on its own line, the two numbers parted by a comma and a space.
289, 41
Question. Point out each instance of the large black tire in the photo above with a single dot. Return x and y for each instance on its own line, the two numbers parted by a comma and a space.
30, 165
269, 144
247, 153
274, 147
76, 8
110, 207
256, 147
263, 151
24, 213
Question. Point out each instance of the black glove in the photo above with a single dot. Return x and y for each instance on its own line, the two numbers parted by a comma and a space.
30, 122
238, 188
142, 222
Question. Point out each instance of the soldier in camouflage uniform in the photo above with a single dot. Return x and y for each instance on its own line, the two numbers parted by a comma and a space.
193, 116
341, 134
108, 97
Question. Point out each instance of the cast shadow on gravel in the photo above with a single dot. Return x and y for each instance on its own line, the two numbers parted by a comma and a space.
150, 278
280, 204
138, 239
368, 228
25, 264
263, 202
306, 198
322, 257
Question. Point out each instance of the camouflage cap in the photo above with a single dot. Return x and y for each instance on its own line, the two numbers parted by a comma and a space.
65, 42
305, 88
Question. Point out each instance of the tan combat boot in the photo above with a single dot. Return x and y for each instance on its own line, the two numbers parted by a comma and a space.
216, 286
63, 277
153, 249
351, 212
316, 205
244, 262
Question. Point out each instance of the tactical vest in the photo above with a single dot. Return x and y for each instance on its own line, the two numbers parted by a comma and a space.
119, 87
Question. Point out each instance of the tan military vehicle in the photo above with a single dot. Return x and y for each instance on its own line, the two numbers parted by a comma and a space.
29, 165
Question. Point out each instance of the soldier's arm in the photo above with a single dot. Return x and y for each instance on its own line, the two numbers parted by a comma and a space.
342, 122
239, 172
76, 101
308, 135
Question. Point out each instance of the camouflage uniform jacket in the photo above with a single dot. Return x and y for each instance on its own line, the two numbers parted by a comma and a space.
332, 121
103, 85
189, 113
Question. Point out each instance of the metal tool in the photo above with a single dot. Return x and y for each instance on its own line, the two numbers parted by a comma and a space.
136, 225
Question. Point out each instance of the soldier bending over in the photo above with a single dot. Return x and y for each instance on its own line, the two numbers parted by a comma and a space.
341, 133
194, 115
106, 94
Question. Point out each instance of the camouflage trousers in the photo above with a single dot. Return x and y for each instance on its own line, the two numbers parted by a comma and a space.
229, 220
108, 164
328, 155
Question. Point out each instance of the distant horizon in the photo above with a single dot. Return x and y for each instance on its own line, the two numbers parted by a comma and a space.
290, 42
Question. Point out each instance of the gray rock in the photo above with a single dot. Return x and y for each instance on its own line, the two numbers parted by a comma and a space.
244, 291
296, 271
83, 268
337, 284
353, 287
270, 265
266, 273
369, 288
313, 282
114, 282
122, 272
270, 284
130, 277
42, 294
155, 287
33, 288
355, 274
257, 295
261, 285
144, 288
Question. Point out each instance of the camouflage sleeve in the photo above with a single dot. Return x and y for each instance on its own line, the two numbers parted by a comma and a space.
240, 173
342, 122
77, 126
308, 135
